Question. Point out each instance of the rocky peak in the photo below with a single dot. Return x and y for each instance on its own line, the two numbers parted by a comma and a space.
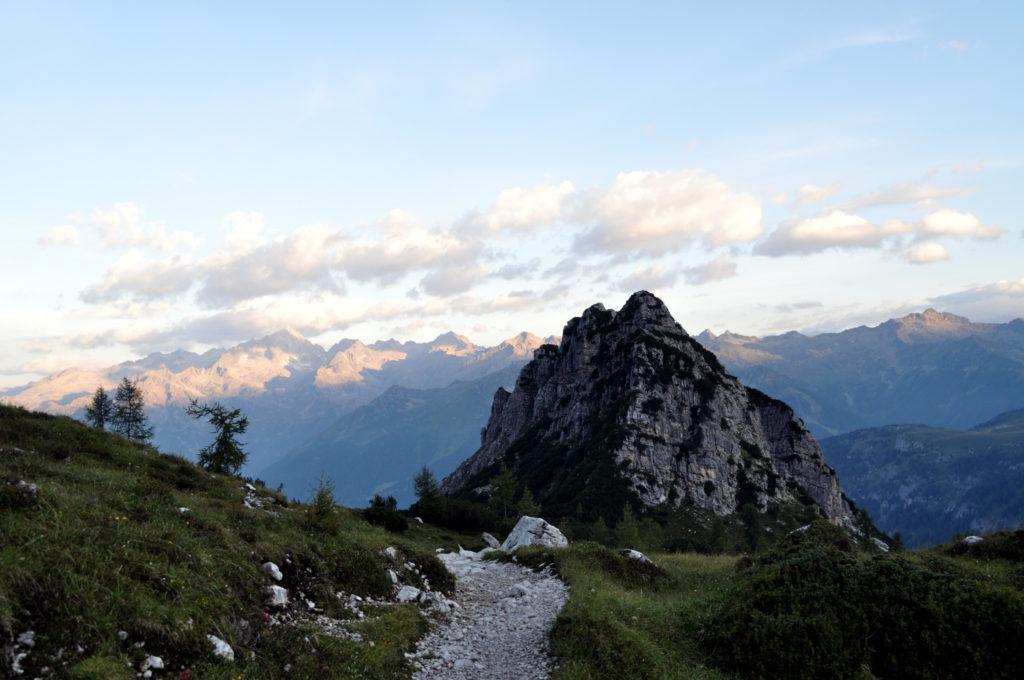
631, 409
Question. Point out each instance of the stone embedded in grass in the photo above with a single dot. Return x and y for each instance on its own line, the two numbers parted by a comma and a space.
880, 544
407, 594
491, 541
391, 553
272, 570
276, 597
971, 540
393, 576
636, 555
221, 649
152, 663
27, 639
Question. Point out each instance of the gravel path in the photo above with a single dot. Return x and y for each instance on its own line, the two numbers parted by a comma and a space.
499, 628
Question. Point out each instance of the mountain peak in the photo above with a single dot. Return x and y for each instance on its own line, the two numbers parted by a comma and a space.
452, 343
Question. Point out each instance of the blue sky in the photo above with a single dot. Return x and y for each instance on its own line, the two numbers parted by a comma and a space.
199, 173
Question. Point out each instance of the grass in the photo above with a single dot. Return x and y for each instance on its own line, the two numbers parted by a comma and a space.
105, 547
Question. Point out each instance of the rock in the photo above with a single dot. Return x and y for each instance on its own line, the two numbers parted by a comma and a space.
393, 576
221, 649
491, 541
435, 601
391, 553
407, 594
654, 391
517, 590
534, 531
273, 571
151, 663
27, 489
880, 544
971, 540
276, 597
27, 639
636, 555
419, 520
122, 635
800, 530
183, 510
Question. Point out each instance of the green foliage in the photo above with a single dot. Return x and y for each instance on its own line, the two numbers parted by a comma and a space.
384, 512
425, 485
814, 606
129, 418
322, 513
1002, 545
526, 504
457, 514
225, 455
100, 410
503, 489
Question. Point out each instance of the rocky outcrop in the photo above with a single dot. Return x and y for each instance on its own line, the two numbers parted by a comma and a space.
628, 408
534, 531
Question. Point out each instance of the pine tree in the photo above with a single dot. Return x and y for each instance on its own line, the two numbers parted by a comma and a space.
425, 485
526, 505
129, 418
101, 410
503, 489
627, 533
225, 454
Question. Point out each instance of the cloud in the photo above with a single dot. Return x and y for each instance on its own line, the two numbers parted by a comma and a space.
655, 213
998, 301
654, 277
140, 278
956, 45
812, 193
243, 230
838, 229
122, 227
718, 269
526, 209
832, 229
798, 306
927, 253
904, 193
60, 235
452, 280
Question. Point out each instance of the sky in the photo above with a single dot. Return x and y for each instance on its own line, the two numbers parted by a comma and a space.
190, 175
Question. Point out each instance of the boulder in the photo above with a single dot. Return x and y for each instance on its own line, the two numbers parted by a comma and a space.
435, 601
221, 649
971, 540
534, 531
151, 663
391, 553
880, 544
636, 555
276, 597
272, 570
491, 541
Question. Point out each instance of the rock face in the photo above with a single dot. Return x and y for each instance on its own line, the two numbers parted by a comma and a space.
630, 409
534, 531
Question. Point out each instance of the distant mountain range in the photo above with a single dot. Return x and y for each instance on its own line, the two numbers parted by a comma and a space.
290, 388
932, 368
928, 483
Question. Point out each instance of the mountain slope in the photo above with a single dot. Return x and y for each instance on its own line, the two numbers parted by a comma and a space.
629, 409
928, 483
379, 447
932, 368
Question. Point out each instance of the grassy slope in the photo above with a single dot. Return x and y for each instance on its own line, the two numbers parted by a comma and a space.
104, 548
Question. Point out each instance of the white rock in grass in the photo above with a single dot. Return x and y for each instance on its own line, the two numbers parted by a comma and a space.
636, 555
407, 594
221, 649
880, 544
151, 662
391, 553
27, 639
272, 570
393, 576
491, 541
276, 596
971, 540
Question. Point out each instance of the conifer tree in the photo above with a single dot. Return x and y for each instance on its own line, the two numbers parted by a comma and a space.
503, 489
225, 454
526, 505
129, 417
100, 411
425, 485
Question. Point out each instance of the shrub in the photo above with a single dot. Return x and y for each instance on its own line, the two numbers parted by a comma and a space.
457, 514
383, 512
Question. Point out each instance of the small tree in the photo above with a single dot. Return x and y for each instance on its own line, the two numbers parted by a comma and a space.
503, 489
425, 485
526, 504
225, 454
320, 513
129, 417
100, 411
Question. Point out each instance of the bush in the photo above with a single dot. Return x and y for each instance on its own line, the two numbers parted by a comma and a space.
384, 512
814, 607
321, 514
1003, 545
456, 514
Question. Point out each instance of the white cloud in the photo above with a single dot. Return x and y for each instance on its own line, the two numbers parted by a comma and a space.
452, 280
60, 235
243, 230
141, 278
525, 209
927, 253
122, 227
813, 193
999, 301
650, 278
948, 222
718, 269
661, 212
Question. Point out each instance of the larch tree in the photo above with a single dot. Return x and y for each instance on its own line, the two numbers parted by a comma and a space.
225, 454
129, 417
100, 410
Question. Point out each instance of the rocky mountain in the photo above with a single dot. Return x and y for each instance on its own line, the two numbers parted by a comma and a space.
933, 368
629, 409
289, 387
379, 447
928, 483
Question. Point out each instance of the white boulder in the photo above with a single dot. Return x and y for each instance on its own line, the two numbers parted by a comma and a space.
491, 541
276, 596
636, 555
971, 540
151, 663
534, 531
391, 553
221, 649
272, 570
880, 544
